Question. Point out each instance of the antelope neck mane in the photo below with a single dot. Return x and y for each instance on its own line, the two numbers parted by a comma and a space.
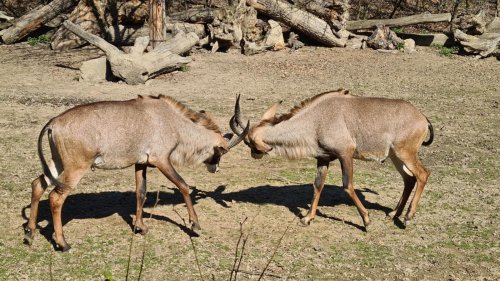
303, 104
196, 117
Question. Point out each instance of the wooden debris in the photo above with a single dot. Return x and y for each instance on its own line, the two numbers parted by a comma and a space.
293, 41
197, 15
84, 16
298, 19
416, 19
137, 67
5, 17
30, 22
334, 12
484, 46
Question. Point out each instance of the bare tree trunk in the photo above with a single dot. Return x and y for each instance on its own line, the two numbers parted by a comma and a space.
157, 27
30, 22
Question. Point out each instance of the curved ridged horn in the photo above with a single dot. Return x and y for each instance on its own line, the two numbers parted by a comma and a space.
239, 137
236, 124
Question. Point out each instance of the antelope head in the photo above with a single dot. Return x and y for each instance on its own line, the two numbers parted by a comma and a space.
230, 141
253, 138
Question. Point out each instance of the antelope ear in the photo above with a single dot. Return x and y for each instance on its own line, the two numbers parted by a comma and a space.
219, 150
271, 112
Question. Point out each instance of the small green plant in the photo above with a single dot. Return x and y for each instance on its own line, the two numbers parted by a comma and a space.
445, 51
108, 276
400, 46
184, 68
42, 39
397, 29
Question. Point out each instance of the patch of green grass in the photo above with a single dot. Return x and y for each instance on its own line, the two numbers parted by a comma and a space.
445, 51
305, 175
397, 29
42, 39
184, 68
371, 254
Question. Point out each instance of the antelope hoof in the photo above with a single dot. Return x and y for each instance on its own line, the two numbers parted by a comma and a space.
195, 227
63, 248
391, 215
142, 230
366, 222
28, 236
407, 222
305, 221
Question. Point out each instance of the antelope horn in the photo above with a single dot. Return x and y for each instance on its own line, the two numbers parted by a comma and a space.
235, 140
237, 113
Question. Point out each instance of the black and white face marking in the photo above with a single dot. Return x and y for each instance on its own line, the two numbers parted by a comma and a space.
213, 163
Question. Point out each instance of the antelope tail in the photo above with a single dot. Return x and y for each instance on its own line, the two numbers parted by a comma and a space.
46, 170
431, 134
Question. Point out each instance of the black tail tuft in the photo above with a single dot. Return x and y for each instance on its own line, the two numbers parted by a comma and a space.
431, 134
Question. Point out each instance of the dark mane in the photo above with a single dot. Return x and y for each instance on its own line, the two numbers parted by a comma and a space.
197, 117
297, 108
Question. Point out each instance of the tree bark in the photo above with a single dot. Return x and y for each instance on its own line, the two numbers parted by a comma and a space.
28, 23
196, 15
302, 21
422, 18
335, 13
137, 67
157, 28
89, 17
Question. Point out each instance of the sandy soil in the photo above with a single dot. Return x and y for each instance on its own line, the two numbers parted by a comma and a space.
454, 236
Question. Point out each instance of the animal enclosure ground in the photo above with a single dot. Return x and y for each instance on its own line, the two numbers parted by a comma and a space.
454, 236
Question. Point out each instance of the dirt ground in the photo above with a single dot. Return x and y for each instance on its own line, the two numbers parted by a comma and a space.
454, 236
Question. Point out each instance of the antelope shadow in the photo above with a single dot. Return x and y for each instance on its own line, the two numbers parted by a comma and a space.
293, 197
104, 204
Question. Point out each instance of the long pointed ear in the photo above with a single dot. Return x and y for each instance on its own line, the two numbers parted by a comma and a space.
271, 112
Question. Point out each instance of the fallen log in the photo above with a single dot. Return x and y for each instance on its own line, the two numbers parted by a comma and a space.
416, 19
196, 15
335, 12
302, 21
30, 22
137, 67
486, 45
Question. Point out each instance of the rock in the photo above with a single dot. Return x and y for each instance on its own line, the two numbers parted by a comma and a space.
274, 37
356, 43
409, 46
95, 70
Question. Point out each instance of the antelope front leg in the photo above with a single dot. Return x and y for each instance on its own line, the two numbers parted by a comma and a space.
347, 172
319, 183
175, 178
140, 195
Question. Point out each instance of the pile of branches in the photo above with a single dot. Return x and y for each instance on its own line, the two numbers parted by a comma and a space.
251, 26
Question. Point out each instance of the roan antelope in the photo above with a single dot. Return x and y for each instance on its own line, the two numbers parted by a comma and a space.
146, 132
336, 125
